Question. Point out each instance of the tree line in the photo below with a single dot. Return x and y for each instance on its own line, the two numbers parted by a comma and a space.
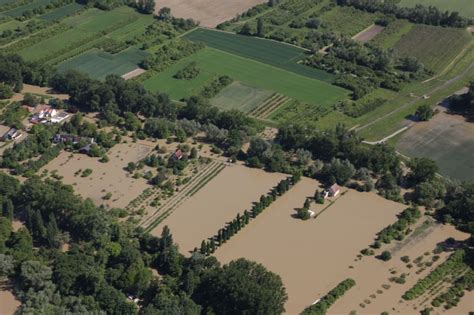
419, 14
73, 257
321, 307
233, 227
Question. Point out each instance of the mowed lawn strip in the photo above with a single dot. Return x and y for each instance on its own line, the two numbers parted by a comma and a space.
267, 51
240, 96
434, 46
253, 73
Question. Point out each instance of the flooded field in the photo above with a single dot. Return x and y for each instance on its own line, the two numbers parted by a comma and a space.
231, 192
311, 256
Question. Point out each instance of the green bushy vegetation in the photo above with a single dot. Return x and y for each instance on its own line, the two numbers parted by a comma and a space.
321, 307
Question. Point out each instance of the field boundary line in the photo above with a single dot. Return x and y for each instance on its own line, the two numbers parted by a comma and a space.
451, 64
412, 102
256, 37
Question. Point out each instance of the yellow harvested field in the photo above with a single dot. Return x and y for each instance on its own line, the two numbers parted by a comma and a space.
105, 177
370, 274
8, 303
209, 13
312, 256
229, 193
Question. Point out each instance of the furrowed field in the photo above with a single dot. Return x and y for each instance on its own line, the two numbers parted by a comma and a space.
214, 62
435, 46
270, 52
62, 12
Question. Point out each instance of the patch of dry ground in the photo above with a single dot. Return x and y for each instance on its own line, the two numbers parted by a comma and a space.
368, 34
229, 193
8, 302
209, 13
312, 256
133, 73
448, 139
105, 177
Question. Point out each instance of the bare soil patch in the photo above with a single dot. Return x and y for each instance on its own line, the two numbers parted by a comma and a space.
8, 303
229, 193
368, 34
105, 177
209, 13
448, 139
133, 73
27, 88
312, 256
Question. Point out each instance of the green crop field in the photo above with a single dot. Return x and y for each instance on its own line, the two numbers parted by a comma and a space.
62, 12
213, 62
98, 64
347, 20
270, 52
10, 25
464, 7
86, 27
28, 7
392, 33
435, 46
240, 96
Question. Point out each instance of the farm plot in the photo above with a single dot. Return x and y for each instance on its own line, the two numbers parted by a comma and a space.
271, 104
348, 20
447, 139
208, 12
156, 214
392, 33
277, 54
294, 111
311, 256
464, 7
229, 193
28, 7
86, 29
98, 64
434, 46
62, 12
215, 62
241, 96
105, 178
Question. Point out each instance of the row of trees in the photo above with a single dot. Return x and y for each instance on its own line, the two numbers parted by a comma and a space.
398, 229
223, 235
418, 14
73, 257
322, 306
